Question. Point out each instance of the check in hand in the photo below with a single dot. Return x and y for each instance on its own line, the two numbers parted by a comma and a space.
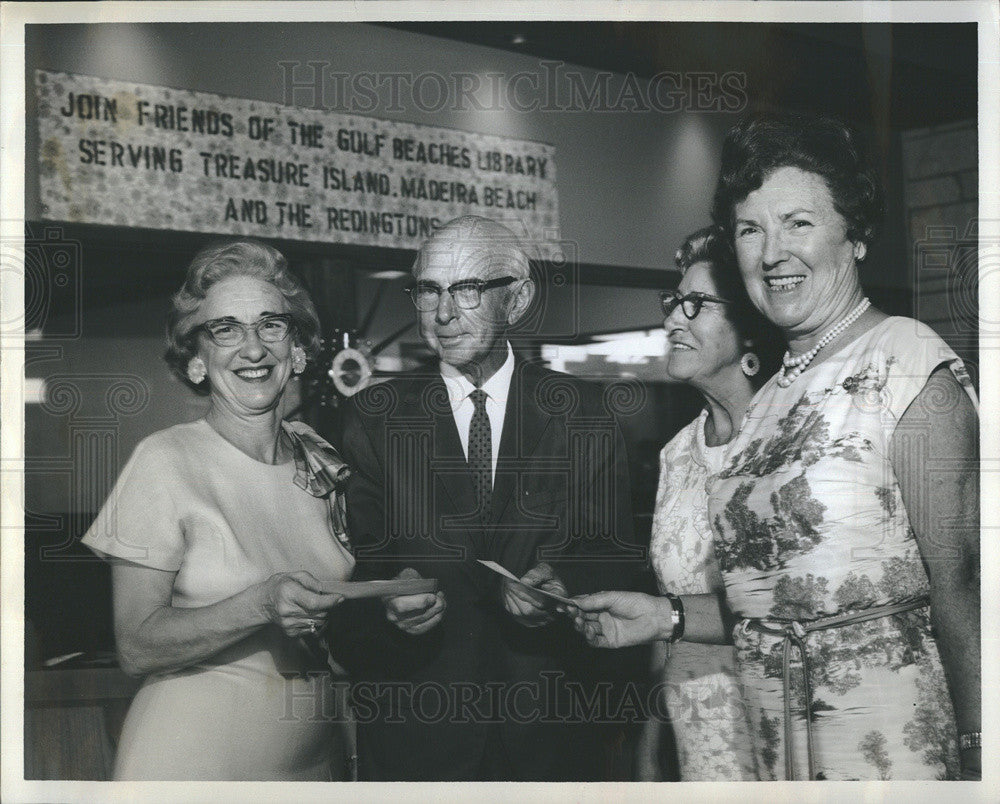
415, 614
621, 619
526, 607
296, 602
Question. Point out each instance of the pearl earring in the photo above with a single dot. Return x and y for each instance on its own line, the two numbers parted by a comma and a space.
750, 364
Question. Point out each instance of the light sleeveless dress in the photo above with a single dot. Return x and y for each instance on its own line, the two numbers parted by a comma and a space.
809, 523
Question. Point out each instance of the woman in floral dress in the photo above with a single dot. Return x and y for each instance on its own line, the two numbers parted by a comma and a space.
847, 515
717, 344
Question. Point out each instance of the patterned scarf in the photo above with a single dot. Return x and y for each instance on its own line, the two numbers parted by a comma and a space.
321, 471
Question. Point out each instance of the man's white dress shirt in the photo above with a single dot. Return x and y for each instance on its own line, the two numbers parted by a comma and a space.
497, 389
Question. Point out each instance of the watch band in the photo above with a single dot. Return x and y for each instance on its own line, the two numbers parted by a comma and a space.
676, 617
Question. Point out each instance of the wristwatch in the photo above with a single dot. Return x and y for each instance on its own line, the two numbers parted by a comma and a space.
676, 617
970, 739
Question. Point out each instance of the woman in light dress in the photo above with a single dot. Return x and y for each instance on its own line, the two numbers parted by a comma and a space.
225, 534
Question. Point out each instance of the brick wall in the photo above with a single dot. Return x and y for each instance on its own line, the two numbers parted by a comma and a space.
940, 198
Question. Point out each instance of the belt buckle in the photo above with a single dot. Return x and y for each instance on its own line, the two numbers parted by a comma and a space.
796, 629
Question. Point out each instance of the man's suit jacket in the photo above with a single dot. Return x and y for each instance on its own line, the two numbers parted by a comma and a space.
560, 495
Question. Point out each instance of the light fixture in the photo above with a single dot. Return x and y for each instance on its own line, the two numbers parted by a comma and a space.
388, 274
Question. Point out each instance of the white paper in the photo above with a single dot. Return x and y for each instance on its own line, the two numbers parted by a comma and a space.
507, 574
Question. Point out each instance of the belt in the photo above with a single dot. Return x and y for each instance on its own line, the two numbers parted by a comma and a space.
793, 633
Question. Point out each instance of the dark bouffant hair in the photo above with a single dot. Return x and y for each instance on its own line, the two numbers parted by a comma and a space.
759, 145
710, 245
218, 261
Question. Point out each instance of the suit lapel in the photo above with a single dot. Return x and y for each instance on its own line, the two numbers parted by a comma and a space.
523, 428
447, 459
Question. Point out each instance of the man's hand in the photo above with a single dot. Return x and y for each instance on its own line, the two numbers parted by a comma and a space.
622, 619
526, 607
414, 614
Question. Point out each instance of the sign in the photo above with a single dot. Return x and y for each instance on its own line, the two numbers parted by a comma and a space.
123, 154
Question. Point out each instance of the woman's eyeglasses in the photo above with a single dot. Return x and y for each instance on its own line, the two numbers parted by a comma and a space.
690, 305
467, 294
230, 332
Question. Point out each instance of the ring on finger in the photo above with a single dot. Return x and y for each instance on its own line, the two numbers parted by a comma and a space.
313, 626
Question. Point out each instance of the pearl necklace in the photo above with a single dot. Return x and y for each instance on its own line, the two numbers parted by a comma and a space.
792, 367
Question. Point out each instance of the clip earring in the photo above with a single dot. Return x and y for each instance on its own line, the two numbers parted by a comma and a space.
196, 370
750, 364
298, 359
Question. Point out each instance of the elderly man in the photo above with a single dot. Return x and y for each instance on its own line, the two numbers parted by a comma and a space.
488, 457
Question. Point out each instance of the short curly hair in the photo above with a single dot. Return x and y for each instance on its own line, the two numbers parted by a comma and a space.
224, 259
710, 245
761, 144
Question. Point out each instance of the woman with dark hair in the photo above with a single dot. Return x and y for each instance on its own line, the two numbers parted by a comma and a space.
224, 534
720, 345
846, 516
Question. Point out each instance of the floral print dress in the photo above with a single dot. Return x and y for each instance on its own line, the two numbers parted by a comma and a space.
809, 524
700, 686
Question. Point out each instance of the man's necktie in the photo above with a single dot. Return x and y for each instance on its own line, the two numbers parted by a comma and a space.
481, 452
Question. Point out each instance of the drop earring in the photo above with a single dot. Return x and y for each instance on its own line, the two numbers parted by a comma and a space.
196, 370
298, 359
750, 364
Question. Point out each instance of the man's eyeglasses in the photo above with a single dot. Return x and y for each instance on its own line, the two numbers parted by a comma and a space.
690, 305
230, 332
466, 294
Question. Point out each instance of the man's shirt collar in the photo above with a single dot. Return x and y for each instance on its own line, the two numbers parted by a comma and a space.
496, 387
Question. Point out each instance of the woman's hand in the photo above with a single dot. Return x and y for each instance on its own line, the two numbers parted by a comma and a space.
153, 636
647, 754
622, 619
296, 602
527, 608
414, 614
